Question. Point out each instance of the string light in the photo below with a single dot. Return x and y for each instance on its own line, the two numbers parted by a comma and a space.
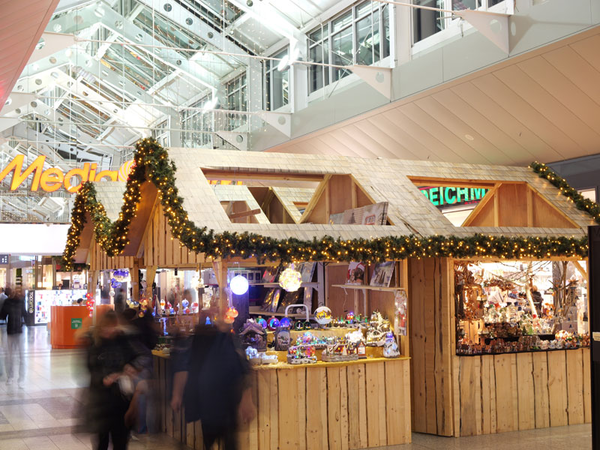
152, 164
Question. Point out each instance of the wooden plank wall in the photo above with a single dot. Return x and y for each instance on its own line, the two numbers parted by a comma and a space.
322, 408
431, 319
161, 249
523, 391
98, 259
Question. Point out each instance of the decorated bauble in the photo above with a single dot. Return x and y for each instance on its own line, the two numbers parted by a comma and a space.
232, 312
323, 315
290, 279
350, 317
185, 303
273, 323
262, 322
111, 293
285, 323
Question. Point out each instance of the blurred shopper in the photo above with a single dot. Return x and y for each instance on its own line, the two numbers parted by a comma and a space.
211, 379
144, 334
120, 301
14, 312
114, 362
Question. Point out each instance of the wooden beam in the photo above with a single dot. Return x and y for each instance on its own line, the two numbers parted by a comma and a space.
486, 198
315, 198
448, 182
215, 174
140, 250
251, 212
529, 206
581, 269
220, 269
496, 209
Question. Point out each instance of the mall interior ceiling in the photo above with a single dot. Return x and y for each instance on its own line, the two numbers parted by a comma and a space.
478, 81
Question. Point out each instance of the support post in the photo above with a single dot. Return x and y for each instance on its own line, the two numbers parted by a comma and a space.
135, 281
150, 274
594, 307
220, 269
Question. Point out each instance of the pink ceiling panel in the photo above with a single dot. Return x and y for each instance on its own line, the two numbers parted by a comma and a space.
21, 26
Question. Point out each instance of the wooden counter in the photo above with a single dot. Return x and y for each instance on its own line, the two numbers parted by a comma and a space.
351, 405
522, 391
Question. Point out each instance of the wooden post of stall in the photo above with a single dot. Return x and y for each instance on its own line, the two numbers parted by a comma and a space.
92, 282
135, 280
403, 283
220, 269
150, 274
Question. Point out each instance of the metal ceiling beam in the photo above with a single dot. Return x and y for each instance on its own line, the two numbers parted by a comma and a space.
208, 34
263, 12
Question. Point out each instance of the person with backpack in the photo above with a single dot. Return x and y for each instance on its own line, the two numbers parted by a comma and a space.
211, 381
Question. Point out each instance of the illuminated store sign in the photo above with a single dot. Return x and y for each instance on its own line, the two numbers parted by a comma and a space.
51, 180
446, 196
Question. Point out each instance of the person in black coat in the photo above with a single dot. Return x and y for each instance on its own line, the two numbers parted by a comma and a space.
114, 361
14, 312
211, 379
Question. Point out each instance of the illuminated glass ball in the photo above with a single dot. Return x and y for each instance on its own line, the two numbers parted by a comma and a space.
262, 322
323, 315
285, 323
185, 303
290, 280
273, 323
239, 285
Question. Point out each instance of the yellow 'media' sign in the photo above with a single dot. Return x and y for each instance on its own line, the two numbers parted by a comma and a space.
53, 179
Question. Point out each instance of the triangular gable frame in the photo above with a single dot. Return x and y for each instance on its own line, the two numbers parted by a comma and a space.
533, 198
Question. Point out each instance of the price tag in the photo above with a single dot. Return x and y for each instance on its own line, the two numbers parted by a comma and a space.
596, 336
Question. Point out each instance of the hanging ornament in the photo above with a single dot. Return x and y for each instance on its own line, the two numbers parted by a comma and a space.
239, 285
290, 279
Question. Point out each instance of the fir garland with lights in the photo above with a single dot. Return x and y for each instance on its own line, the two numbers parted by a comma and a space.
581, 203
152, 164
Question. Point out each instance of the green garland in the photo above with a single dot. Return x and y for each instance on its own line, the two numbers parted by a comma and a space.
152, 164
581, 203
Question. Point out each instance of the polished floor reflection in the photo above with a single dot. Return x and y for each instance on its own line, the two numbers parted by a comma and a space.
41, 415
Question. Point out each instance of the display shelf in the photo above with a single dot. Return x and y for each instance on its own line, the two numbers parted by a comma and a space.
367, 288
254, 310
314, 284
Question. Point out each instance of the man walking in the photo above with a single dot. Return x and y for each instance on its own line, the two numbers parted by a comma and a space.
14, 312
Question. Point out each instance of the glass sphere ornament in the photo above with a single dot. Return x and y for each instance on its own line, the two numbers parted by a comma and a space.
232, 312
185, 303
285, 323
323, 315
262, 322
272, 323
239, 285
290, 279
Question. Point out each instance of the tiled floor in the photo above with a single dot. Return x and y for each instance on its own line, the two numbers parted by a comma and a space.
41, 415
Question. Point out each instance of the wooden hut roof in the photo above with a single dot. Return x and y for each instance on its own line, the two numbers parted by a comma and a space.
383, 180
328, 184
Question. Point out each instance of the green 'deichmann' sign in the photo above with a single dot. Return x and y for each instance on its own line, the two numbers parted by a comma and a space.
446, 196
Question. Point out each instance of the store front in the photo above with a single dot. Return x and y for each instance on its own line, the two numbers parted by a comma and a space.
441, 309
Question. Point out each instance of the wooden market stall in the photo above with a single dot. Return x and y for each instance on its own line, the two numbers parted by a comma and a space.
306, 207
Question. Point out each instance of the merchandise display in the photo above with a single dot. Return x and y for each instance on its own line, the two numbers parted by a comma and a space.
501, 309
42, 301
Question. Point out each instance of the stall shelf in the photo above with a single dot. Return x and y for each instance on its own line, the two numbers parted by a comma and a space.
171, 217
